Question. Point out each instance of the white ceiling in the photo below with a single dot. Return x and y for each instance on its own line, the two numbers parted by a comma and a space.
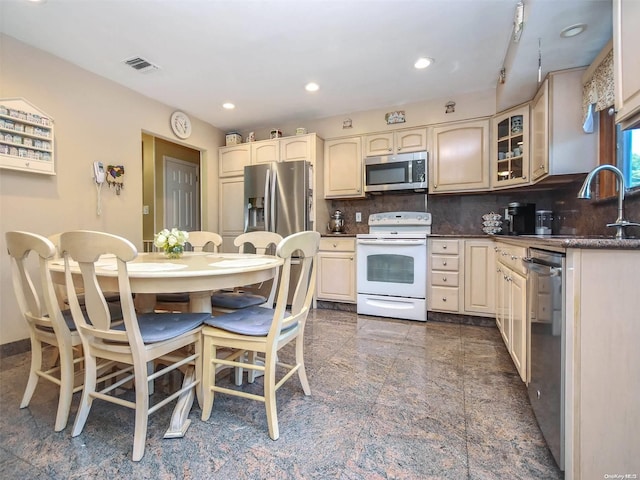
260, 54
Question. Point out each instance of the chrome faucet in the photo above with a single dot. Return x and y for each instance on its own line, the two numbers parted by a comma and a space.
585, 192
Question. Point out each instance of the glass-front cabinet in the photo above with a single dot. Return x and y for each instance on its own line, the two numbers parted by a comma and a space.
511, 154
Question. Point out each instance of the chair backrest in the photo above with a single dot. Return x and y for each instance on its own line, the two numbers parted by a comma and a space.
204, 241
38, 314
260, 240
305, 245
85, 247
263, 243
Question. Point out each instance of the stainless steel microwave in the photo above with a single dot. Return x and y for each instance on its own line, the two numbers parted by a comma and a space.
405, 171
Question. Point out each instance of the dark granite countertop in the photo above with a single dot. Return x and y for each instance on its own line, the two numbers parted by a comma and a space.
338, 235
560, 241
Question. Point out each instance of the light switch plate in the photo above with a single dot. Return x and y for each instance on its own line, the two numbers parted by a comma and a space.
358, 216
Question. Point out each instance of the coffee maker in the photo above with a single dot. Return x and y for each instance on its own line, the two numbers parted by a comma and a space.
520, 218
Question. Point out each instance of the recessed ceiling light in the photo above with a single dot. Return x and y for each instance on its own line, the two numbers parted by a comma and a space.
228, 106
573, 30
423, 62
312, 87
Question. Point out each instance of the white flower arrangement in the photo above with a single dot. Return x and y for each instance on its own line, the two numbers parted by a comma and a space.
171, 241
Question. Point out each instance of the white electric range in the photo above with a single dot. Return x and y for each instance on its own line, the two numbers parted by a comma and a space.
392, 265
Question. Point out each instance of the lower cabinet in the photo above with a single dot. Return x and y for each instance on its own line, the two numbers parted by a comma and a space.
460, 276
336, 280
230, 211
511, 303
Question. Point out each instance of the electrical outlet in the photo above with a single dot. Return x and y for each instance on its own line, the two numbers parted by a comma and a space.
145, 210
358, 216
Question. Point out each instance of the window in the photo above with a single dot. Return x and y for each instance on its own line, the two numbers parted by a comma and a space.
628, 155
621, 148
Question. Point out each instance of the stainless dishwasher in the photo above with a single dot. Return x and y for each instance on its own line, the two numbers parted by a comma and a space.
547, 348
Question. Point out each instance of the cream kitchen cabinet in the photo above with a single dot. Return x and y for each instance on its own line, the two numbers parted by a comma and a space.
391, 143
336, 280
602, 386
265, 151
510, 152
459, 157
233, 159
299, 147
230, 211
511, 303
444, 270
461, 276
26, 138
626, 38
559, 146
479, 284
343, 168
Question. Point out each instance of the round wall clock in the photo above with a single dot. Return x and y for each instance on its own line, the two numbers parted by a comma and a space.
181, 124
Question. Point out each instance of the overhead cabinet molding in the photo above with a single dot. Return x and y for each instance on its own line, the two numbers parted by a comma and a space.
26, 137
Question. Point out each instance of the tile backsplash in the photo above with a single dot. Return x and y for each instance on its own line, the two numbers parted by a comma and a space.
462, 214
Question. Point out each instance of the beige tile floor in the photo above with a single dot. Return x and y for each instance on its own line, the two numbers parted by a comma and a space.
391, 399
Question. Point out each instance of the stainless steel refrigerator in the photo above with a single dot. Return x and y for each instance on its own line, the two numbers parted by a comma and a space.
278, 197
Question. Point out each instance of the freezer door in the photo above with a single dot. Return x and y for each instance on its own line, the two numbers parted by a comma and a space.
257, 196
291, 195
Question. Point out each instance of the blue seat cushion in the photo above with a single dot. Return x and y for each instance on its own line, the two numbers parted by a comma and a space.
114, 309
158, 327
108, 296
236, 300
173, 297
253, 321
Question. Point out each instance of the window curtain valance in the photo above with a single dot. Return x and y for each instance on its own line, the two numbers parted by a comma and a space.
598, 92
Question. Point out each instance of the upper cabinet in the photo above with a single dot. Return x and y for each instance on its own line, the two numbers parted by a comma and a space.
26, 137
559, 146
265, 152
510, 154
391, 143
233, 159
343, 168
296, 148
459, 157
626, 38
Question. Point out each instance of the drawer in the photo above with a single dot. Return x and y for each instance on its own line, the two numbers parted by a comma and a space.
512, 255
448, 247
449, 263
444, 298
445, 279
338, 244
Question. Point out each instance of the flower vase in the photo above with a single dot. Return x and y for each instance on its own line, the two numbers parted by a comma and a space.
173, 251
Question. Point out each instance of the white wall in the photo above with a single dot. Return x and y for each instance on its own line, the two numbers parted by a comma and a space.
95, 120
470, 105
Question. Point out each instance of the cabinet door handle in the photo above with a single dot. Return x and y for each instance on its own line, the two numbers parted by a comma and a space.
444, 247
444, 279
444, 263
335, 245
444, 299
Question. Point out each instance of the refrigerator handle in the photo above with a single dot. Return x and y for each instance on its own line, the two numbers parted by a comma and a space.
267, 199
274, 182
247, 207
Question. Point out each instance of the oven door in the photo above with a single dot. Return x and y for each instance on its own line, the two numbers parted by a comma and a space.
392, 267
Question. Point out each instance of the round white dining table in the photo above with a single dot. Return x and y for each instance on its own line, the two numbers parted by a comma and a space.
198, 273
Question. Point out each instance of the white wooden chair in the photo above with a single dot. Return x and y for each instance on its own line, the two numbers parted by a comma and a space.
199, 241
266, 331
48, 324
139, 341
262, 243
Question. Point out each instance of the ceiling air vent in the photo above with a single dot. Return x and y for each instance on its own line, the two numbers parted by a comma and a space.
141, 65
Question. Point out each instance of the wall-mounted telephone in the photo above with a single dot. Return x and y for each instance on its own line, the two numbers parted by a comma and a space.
98, 172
